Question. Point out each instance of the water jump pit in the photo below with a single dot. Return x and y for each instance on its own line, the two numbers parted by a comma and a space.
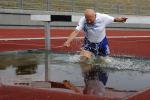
126, 75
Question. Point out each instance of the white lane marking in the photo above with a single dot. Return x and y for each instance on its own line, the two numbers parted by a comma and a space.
12, 39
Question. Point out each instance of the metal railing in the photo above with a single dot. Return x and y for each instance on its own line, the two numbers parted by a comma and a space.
132, 7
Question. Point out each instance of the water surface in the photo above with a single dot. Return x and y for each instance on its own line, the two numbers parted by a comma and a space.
124, 73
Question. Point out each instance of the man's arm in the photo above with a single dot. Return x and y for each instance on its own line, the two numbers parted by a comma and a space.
120, 19
75, 33
71, 37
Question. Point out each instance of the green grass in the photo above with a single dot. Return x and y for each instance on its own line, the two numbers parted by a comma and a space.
105, 6
9, 4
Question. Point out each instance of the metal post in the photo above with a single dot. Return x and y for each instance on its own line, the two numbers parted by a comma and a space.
20, 4
118, 8
47, 49
46, 66
138, 8
47, 5
46, 19
73, 6
47, 35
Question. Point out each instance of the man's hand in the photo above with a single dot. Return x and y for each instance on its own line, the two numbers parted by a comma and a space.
71, 37
120, 19
66, 44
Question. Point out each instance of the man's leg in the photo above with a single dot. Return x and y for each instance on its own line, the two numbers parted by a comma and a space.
92, 86
85, 57
94, 81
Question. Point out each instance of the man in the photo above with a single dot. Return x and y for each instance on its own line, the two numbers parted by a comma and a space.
95, 42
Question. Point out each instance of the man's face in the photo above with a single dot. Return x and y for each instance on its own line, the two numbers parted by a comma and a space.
90, 19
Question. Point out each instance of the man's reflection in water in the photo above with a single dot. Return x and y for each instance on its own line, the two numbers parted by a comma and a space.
95, 81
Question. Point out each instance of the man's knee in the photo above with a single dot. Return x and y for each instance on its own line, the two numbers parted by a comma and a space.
86, 53
84, 59
85, 64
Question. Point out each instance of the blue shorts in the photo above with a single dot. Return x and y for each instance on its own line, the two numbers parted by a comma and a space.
98, 49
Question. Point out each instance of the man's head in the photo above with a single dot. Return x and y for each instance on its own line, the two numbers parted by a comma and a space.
90, 16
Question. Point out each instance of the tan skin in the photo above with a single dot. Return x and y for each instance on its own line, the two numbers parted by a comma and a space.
90, 16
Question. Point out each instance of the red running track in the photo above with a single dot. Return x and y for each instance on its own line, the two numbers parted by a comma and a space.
130, 42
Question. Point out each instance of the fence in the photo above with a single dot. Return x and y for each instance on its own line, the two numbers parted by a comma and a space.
132, 7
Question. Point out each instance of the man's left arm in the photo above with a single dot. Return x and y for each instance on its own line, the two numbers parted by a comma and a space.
120, 19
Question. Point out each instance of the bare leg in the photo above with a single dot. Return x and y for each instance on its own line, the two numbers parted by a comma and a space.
85, 57
92, 86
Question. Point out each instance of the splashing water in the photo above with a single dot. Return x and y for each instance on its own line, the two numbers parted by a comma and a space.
142, 65
115, 63
74, 58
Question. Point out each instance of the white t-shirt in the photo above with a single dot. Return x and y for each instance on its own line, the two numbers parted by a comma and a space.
95, 32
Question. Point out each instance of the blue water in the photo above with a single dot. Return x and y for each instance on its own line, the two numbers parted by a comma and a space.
124, 73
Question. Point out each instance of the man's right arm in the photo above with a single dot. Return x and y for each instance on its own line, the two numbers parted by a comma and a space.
71, 37
75, 33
